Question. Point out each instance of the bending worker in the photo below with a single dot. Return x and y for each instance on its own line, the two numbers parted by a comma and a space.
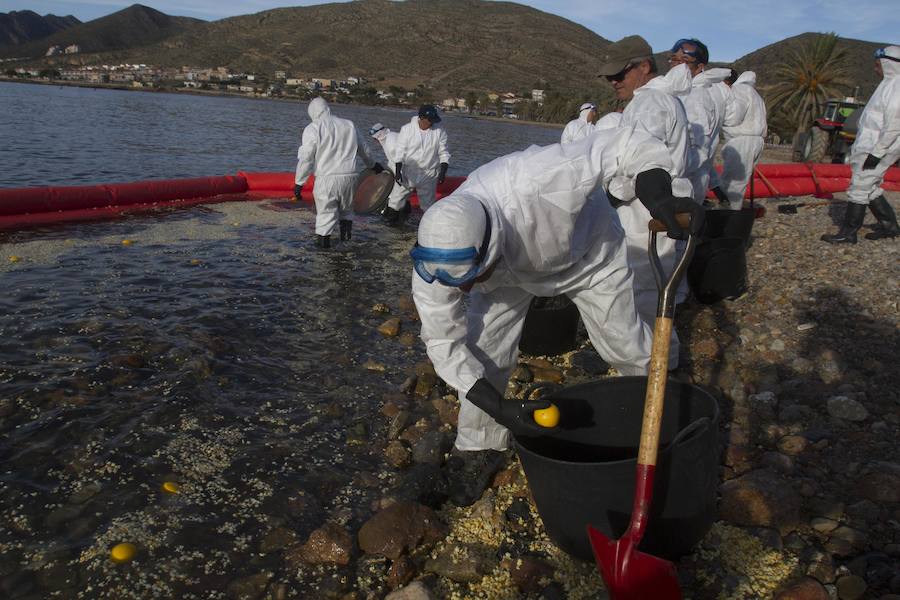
533, 223
329, 148
581, 126
745, 130
422, 159
876, 148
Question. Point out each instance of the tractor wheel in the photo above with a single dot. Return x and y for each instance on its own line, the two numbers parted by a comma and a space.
798, 145
816, 146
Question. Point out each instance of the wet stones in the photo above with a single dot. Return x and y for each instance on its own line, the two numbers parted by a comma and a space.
843, 407
529, 574
851, 587
330, 544
805, 588
880, 485
760, 498
249, 588
400, 528
277, 539
414, 591
390, 328
462, 563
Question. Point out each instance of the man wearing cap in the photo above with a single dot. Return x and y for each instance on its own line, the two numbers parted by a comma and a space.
875, 149
329, 147
654, 107
532, 223
581, 126
421, 163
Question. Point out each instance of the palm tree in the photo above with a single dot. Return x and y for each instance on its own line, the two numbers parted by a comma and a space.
809, 76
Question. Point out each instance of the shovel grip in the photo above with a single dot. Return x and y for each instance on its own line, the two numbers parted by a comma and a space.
684, 221
656, 391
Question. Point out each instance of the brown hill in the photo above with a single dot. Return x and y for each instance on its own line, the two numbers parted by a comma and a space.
23, 26
133, 27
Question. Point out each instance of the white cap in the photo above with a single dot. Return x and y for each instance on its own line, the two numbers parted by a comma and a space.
374, 129
587, 106
457, 222
892, 51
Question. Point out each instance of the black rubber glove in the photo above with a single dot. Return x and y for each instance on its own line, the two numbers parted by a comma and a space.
720, 195
443, 174
398, 173
871, 162
377, 168
654, 188
297, 189
515, 415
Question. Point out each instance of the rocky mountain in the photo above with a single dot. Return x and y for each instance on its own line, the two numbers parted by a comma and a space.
132, 28
23, 26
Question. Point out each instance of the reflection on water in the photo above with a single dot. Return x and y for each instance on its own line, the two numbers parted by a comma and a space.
219, 351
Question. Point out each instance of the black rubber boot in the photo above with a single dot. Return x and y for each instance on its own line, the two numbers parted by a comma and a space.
853, 220
469, 473
887, 220
346, 229
323, 241
390, 217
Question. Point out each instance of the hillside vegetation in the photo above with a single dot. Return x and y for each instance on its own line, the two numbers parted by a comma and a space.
23, 26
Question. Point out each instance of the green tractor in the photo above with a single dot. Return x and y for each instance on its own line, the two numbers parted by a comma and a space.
831, 135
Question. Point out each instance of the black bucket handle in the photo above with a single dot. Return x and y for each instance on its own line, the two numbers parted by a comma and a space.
688, 432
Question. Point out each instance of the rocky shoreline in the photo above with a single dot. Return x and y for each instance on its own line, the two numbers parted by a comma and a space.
810, 466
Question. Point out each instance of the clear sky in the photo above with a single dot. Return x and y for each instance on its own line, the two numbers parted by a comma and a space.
731, 28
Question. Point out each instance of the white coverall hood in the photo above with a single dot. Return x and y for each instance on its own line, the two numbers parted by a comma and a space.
747, 78
318, 109
891, 68
677, 82
710, 77
585, 110
456, 223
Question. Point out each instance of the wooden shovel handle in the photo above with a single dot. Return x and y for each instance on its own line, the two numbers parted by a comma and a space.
656, 391
684, 221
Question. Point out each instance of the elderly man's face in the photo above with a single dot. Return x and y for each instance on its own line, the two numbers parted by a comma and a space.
683, 56
629, 79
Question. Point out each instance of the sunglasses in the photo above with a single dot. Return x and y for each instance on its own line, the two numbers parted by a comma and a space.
620, 75
880, 53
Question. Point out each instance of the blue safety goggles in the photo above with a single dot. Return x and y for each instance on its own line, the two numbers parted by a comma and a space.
455, 256
678, 46
880, 53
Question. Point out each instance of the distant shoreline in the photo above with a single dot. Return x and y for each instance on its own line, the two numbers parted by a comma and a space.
198, 92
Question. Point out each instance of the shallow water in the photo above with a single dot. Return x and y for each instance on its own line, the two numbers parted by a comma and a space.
215, 348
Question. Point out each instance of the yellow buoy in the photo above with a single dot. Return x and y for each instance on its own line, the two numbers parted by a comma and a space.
13, 258
195, 261
127, 242
123, 553
547, 417
171, 487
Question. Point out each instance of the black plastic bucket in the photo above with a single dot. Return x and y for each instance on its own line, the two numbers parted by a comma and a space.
584, 474
551, 326
718, 270
730, 224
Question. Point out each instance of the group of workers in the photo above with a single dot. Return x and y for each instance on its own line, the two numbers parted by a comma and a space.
570, 218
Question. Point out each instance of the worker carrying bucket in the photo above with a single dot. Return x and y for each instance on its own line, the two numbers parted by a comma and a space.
533, 223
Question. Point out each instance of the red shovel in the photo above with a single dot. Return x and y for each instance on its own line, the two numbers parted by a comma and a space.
628, 573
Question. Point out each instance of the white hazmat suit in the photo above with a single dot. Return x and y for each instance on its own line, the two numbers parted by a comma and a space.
552, 231
580, 127
329, 148
878, 133
421, 151
656, 109
705, 107
745, 131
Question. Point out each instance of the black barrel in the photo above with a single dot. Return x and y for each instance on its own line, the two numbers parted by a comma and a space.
718, 270
551, 326
584, 473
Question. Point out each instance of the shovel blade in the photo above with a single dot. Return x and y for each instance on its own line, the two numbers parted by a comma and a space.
632, 575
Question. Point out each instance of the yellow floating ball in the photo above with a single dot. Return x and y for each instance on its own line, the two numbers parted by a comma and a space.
195, 261
123, 553
547, 417
14, 258
170, 487
127, 242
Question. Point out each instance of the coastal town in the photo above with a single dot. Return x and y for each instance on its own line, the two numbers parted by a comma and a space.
279, 84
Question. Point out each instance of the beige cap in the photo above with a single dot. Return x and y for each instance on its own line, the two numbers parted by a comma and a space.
620, 54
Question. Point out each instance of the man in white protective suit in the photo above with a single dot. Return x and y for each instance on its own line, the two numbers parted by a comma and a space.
532, 223
421, 163
654, 107
705, 108
745, 131
329, 147
876, 148
581, 126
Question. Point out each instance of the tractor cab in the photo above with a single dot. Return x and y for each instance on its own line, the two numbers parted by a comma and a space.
836, 112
